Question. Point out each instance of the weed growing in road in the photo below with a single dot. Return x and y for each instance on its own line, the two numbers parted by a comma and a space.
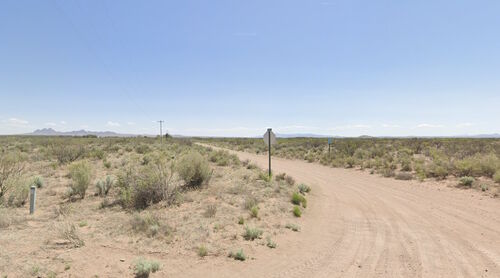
202, 251
303, 188
292, 227
239, 255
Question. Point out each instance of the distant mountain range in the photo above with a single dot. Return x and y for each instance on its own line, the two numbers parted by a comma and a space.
52, 132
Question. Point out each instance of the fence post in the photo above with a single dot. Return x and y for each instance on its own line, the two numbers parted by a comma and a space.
32, 199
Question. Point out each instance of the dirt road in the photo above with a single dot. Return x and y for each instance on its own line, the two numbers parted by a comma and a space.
361, 225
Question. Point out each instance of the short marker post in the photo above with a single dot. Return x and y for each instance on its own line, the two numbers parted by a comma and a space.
32, 199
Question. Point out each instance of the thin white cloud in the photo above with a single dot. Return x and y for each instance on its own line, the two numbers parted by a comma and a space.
130, 123
62, 122
110, 123
84, 126
429, 126
50, 124
15, 122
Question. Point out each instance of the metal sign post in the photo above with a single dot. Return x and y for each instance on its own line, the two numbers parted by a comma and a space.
330, 141
269, 139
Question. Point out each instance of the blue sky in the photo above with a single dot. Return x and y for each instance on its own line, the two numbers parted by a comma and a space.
235, 68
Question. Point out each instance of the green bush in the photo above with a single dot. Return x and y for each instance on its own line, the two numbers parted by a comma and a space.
20, 193
11, 168
404, 176
202, 251
496, 177
466, 181
252, 233
303, 188
68, 153
81, 174
296, 211
254, 211
193, 168
145, 185
150, 225
239, 255
292, 227
241, 220
38, 182
270, 243
223, 158
144, 267
103, 186
298, 199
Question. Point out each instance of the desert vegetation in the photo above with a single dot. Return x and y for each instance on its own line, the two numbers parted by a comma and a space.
127, 199
423, 159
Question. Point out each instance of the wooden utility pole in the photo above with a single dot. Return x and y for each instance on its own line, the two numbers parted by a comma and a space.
161, 131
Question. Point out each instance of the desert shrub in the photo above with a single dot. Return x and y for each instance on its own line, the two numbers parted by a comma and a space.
146, 185
38, 182
489, 164
270, 243
142, 149
11, 168
404, 176
265, 176
239, 255
387, 172
280, 177
296, 211
223, 158
68, 232
81, 174
143, 268
406, 165
496, 177
150, 225
303, 188
298, 199
252, 233
466, 181
437, 170
107, 164
202, 251
466, 167
103, 186
68, 153
241, 220
194, 169
254, 211
292, 227
210, 211
350, 162
484, 187
5, 220
19, 194
290, 180
250, 202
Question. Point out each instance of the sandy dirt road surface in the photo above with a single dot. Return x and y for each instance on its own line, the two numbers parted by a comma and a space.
361, 225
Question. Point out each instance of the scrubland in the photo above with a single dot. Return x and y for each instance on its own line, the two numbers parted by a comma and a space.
461, 162
130, 206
